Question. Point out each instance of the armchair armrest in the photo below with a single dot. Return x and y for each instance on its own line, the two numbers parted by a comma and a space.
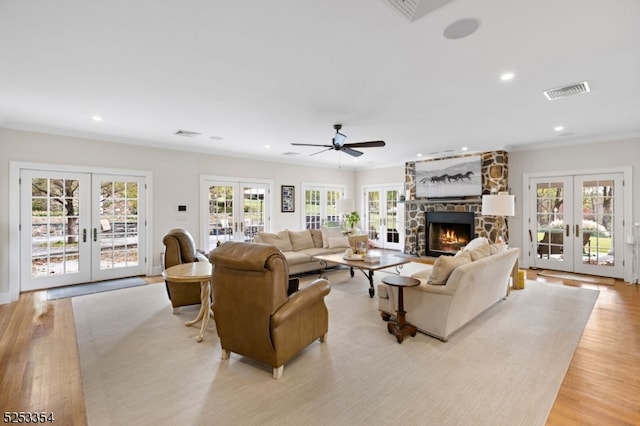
301, 300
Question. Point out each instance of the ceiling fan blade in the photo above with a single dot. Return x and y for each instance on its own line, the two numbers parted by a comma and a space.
328, 149
351, 152
370, 144
311, 144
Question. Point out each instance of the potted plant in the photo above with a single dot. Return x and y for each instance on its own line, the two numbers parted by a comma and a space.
351, 219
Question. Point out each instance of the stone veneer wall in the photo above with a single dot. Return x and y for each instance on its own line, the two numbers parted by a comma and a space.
495, 174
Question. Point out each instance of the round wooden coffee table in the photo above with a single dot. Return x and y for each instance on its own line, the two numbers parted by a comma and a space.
401, 328
199, 272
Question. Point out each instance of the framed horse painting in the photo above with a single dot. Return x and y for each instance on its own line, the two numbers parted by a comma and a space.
449, 177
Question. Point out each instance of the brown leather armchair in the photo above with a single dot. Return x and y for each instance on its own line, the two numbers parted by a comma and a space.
180, 248
254, 315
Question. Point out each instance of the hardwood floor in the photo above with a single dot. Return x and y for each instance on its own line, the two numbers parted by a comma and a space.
39, 366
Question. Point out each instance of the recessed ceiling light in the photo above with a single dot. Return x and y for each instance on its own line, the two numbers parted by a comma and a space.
558, 128
267, 146
507, 76
96, 117
419, 155
464, 148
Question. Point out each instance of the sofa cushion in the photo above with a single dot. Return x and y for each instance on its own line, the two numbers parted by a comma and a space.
280, 239
316, 235
296, 258
339, 242
424, 274
311, 252
329, 233
301, 240
444, 266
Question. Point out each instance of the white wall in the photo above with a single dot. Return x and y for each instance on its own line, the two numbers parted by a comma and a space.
176, 179
599, 155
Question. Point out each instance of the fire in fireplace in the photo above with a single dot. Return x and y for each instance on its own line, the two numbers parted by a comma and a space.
448, 232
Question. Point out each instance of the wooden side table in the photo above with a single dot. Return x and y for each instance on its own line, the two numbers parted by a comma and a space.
401, 328
190, 273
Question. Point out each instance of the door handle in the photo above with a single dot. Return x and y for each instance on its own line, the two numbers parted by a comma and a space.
577, 231
95, 234
568, 230
84, 235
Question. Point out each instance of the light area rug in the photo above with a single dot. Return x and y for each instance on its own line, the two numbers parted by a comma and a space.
577, 277
95, 287
141, 365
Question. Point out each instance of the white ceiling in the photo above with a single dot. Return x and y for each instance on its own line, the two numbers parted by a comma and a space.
281, 71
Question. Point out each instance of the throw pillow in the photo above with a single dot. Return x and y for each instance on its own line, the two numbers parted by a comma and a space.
481, 251
476, 242
444, 266
280, 239
338, 242
329, 233
301, 240
316, 234
501, 247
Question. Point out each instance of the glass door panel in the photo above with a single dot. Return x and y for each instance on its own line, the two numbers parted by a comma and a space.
373, 221
118, 226
550, 234
220, 214
254, 210
599, 217
55, 222
312, 209
391, 220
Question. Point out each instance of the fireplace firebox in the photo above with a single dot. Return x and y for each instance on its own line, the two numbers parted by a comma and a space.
448, 232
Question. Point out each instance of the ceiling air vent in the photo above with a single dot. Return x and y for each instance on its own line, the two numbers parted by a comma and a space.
563, 92
414, 9
187, 133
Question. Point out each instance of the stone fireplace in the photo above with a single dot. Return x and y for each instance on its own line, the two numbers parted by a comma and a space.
495, 176
448, 232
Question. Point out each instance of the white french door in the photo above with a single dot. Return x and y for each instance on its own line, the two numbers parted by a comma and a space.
234, 211
80, 227
384, 216
577, 223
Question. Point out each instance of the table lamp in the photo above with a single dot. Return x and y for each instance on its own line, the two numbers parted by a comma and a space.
344, 206
500, 205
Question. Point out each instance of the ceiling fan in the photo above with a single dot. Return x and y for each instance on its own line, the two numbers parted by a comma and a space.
338, 144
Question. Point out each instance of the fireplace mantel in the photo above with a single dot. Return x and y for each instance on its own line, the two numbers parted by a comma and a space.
444, 200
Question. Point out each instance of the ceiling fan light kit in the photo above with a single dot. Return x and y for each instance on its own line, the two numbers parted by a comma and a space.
338, 144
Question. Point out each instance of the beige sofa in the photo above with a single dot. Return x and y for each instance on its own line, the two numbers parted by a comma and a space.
300, 247
461, 288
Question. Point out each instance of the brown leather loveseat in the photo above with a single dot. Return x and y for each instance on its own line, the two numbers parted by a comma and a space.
254, 315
